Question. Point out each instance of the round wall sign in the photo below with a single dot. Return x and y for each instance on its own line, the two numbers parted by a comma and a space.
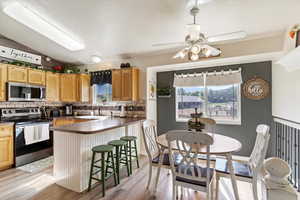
256, 89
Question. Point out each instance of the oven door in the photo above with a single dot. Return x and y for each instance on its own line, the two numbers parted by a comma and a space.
27, 153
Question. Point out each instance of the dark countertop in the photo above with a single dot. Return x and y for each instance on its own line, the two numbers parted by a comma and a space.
7, 123
97, 125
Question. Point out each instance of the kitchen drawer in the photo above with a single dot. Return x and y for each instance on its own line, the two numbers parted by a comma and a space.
6, 130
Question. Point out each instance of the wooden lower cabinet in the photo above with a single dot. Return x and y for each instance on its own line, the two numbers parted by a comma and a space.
17, 74
37, 77
68, 88
67, 121
52, 87
6, 146
3, 79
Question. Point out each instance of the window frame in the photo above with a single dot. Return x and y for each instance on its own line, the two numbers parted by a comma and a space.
238, 121
94, 96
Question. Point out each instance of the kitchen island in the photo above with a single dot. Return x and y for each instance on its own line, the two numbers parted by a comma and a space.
73, 145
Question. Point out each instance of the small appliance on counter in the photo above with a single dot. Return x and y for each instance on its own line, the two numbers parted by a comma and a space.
69, 109
122, 112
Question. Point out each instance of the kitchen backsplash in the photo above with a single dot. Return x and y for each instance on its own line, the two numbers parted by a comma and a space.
132, 109
10, 104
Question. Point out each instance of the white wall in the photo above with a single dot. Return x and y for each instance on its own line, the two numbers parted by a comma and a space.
286, 93
237, 50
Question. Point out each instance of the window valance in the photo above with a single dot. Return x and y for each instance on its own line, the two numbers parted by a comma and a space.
101, 77
229, 77
224, 78
189, 80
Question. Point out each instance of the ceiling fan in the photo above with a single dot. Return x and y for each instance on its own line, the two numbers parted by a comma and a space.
197, 44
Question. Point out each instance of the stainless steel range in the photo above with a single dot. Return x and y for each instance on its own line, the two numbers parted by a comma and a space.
33, 139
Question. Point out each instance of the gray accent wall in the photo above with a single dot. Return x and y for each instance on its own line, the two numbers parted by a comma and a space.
253, 112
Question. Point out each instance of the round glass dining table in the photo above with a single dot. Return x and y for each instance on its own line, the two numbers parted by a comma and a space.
223, 145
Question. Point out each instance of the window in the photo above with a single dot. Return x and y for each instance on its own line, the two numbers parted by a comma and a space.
102, 93
221, 103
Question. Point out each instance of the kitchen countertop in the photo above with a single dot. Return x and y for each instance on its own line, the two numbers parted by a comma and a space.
96, 124
7, 123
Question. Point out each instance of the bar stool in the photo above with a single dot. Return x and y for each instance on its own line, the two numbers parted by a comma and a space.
132, 149
104, 150
121, 156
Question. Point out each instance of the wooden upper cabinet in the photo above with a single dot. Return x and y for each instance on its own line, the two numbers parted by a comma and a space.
17, 74
125, 84
68, 88
36, 77
3, 79
116, 84
84, 87
52, 86
135, 84
6, 146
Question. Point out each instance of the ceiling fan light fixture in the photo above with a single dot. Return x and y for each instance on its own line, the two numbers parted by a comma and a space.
207, 52
194, 57
181, 54
196, 49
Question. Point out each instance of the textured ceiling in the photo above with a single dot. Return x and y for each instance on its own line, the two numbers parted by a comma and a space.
114, 28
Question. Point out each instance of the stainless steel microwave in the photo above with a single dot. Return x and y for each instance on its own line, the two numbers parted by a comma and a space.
25, 92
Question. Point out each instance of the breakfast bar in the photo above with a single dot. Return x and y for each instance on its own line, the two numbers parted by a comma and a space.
73, 143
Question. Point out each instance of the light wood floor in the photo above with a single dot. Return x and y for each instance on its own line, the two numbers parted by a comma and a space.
19, 185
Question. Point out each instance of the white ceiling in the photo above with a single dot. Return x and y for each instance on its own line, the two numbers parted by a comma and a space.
114, 28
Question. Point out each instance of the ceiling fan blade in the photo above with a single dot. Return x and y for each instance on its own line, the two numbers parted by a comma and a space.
169, 44
227, 36
211, 51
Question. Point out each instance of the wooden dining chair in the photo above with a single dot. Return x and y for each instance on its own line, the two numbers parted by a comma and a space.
154, 151
188, 173
247, 171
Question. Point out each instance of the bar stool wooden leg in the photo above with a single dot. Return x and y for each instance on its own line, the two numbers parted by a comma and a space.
130, 156
136, 154
125, 147
103, 173
113, 166
118, 164
91, 173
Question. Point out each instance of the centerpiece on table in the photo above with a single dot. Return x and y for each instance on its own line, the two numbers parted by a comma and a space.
195, 122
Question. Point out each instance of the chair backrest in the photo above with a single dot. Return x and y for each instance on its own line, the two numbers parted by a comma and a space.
188, 145
260, 148
149, 137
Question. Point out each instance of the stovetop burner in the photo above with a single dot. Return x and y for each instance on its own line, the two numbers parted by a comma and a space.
22, 115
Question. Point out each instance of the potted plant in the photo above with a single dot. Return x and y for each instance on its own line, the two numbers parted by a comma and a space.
164, 92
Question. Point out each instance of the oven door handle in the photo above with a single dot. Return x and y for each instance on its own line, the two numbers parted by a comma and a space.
32, 124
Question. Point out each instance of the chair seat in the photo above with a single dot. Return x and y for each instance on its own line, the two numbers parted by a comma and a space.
166, 160
117, 143
195, 182
240, 169
129, 138
103, 148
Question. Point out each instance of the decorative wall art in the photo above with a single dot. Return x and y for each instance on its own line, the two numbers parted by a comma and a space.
256, 88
